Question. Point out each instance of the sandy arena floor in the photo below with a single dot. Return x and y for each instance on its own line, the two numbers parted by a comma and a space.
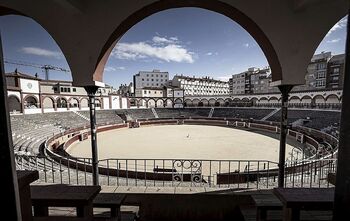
182, 142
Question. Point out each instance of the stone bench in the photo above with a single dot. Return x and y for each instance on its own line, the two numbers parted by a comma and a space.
113, 201
265, 202
80, 197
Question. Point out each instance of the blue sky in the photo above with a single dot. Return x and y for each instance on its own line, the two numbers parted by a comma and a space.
175, 40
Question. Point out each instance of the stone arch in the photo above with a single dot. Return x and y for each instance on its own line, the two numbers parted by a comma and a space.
228, 102
213, 5
211, 102
220, 102
73, 102
160, 103
62, 102
273, 100
254, 101
151, 103
30, 102
294, 100
195, 102
98, 103
84, 103
319, 99
48, 102
188, 103
306, 100
332, 99
205, 102
14, 104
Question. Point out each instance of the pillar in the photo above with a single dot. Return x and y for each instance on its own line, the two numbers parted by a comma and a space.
9, 184
342, 187
91, 90
285, 89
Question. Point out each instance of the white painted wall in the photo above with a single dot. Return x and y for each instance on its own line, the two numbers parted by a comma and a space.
115, 102
106, 103
14, 93
32, 111
124, 103
29, 86
49, 110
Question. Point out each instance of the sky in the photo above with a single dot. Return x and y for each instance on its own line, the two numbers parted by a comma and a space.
174, 40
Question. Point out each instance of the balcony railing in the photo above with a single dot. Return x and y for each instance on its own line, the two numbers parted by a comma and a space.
227, 174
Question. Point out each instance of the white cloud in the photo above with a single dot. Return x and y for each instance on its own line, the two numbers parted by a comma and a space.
41, 52
167, 51
334, 40
110, 68
246, 45
163, 40
209, 53
339, 25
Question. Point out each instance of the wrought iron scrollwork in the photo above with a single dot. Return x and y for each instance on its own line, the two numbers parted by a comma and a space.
187, 171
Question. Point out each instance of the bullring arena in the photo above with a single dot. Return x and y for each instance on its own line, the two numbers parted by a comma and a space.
181, 142
180, 147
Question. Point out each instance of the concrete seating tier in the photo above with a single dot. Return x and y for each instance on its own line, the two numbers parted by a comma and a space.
247, 113
104, 116
182, 112
137, 113
316, 119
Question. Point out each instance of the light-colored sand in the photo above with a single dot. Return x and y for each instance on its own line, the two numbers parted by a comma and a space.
182, 142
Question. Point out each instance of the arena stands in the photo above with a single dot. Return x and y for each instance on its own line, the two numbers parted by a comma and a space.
182, 112
317, 119
30, 131
246, 113
104, 117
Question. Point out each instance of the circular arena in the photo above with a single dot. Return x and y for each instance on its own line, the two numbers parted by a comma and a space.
181, 142
202, 147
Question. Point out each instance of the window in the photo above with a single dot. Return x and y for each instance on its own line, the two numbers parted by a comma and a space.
145, 92
321, 74
61, 89
143, 79
336, 70
321, 66
74, 90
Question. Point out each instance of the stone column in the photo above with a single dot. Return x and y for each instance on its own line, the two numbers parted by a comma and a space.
91, 90
285, 89
342, 187
11, 203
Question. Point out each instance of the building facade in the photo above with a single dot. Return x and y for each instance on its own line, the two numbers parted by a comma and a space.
126, 90
29, 95
154, 79
254, 80
193, 86
323, 72
335, 71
